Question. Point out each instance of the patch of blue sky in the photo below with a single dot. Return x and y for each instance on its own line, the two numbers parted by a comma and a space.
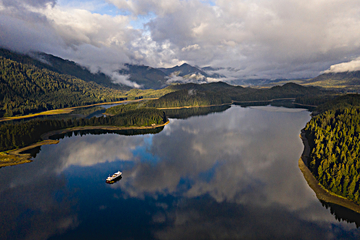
143, 151
94, 6
97, 171
104, 8
210, 2
92, 178
110, 10
141, 20
209, 174
184, 185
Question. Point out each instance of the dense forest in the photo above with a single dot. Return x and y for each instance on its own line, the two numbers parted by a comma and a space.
123, 108
170, 113
25, 89
238, 93
184, 113
191, 97
341, 102
334, 138
315, 100
225, 91
17, 135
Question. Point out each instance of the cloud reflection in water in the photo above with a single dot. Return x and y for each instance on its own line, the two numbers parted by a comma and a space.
224, 175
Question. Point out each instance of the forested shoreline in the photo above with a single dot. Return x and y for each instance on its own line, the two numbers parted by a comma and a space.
16, 135
334, 139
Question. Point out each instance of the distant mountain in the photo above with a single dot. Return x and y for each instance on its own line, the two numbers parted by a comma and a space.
183, 70
187, 73
208, 68
157, 78
63, 66
336, 80
145, 76
238, 93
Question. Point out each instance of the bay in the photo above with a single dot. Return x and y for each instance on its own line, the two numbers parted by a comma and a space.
231, 174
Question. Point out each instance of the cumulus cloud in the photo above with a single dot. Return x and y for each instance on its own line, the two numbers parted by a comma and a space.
243, 169
93, 151
351, 66
259, 39
191, 48
98, 42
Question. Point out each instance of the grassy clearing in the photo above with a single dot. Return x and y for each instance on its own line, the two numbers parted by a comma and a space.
148, 93
10, 160
50, 112
15, 157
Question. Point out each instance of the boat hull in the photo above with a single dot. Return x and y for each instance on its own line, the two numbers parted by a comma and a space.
114, 179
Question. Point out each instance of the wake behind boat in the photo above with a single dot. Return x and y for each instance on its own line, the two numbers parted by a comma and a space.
116, 176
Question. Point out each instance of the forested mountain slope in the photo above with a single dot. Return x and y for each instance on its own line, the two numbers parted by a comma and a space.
238, 93
347, 80
190, 97
145, 76
25, 88
218, 93
62, 66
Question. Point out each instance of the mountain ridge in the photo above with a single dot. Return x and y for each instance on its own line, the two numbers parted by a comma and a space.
350, 79
157, 78
26, 88
61, 66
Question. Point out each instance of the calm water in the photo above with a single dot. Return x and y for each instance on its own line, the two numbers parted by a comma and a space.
226, 175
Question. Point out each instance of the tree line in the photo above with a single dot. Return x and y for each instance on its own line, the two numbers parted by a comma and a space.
16, 135
334, 138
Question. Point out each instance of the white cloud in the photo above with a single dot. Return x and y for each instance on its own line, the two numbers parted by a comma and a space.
351, 66
124, 79
191, 48
261, 39
93, 151
270, 39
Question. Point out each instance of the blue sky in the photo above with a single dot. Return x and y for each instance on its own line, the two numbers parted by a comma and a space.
94, 6
103, 7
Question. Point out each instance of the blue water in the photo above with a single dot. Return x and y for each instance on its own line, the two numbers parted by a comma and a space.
228, 175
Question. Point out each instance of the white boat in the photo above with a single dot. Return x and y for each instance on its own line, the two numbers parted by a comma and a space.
114, 177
